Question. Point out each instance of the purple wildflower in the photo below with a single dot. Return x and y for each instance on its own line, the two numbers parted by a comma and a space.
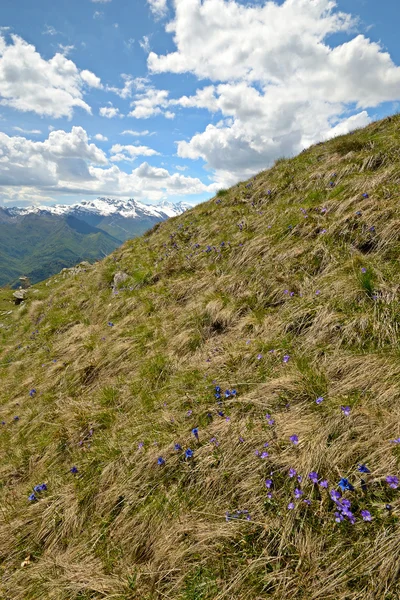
160, 461
291, 506
396, 441
178, 447
264, 455
345, 410
366, 515
292, 472
268, 483
32, 392
335, 495
392, 481
188, 453
307, 501
294, 439
319, 400
313, 476
195, 432
257, 452
259, 356
363, 270
298, 493
270, 420
286, 358
32, 498
73, 470
324, 483
339, 517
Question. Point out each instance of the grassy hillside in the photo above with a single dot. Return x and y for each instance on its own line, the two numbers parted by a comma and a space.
283, 290
40, 245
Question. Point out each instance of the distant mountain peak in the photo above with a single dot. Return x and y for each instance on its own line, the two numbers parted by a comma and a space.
104, 206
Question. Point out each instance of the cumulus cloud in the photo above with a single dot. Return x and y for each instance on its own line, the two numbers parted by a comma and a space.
158, 8
91, 79
67, 163
130, 153
277, 84
109, 112
51, 87
150, 103
100, 137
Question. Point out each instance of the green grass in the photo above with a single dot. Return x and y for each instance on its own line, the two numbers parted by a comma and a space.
304, 276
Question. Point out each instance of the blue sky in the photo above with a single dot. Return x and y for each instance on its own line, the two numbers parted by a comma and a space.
208, 92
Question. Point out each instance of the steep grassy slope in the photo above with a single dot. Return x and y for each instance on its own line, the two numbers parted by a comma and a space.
284, 289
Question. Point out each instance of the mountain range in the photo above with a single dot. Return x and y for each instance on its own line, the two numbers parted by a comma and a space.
39, 241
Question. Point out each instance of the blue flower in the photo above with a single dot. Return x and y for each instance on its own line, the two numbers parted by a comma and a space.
74, 470
344, 484
363, 469
324, 483
268, 483
217, 389
188, 453
319, 400
195, 432
110, 324
313, 476
290, 506
345, 410
32, 392
227, 394
294, 439
160, 461
178, 447
286, 358
292, 472
32, 498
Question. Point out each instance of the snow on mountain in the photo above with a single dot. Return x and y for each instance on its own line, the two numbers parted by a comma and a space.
108, 207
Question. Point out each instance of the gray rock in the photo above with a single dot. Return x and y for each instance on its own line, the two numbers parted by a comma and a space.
119, 278
19, 296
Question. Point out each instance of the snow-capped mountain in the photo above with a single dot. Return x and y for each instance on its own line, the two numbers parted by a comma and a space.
107, 207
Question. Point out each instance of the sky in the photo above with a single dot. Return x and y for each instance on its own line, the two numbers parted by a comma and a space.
172, 100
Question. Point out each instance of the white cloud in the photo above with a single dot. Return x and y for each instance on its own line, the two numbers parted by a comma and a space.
50, 30
91, 79
101, 1
158, 8
67, 163
98, 14
109, 112
130, 153
66, 49
144, 43
130, 84
150, 103
100, 137
28, 131
51, 87
135, 133
129, 43
278, 84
